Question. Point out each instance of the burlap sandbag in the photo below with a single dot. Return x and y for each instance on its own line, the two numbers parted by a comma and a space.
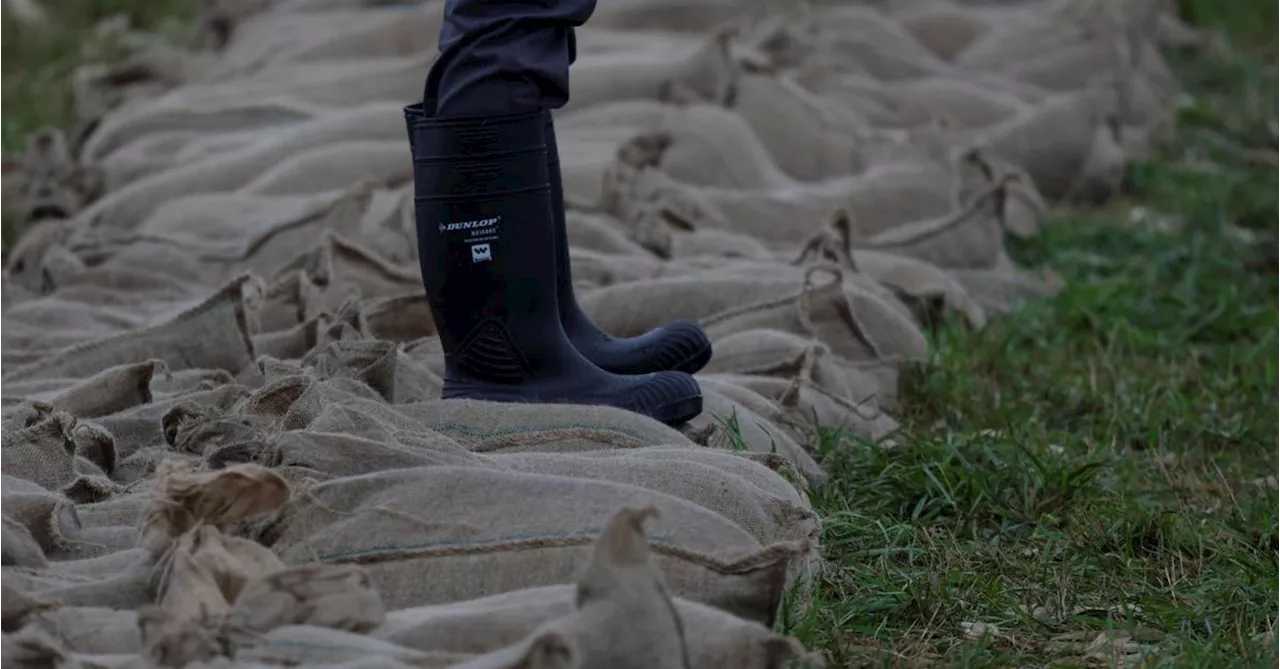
490, 427
808, 407
1066, 144
789, 356
172, 114
802, 140
618, 579
92, 630
211, 335
704, 72
361, 32
130, 205
766, 517
486, 534
856, 324
728, 424
111, 390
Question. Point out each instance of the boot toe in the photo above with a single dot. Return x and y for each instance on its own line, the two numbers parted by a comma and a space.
685, 346
670, 397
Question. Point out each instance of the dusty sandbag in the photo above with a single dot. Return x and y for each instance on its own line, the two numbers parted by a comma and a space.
126, 586
339, 597
343, 269
92, 630
788, 356
47, 516
19, 548
600, 233
779, 217
334, 166
307, 645
709, 145
40, 445
1066, 144
802, 140
491, 427
498, 541
808, 407
401, 318
293, 343
317, 455
171, 113
702, 73
184, 501
211, 335
855, 324
712, 639
49, 182
766, 517
109, 391
947, 29
130, 205
17, 606
362, 32
139, 429
1001, 291
727, 424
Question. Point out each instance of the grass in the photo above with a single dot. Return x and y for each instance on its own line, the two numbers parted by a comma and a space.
36, 65
1091, 481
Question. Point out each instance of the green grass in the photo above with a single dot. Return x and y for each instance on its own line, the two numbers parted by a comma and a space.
1097, 466
36, 67
1100, 466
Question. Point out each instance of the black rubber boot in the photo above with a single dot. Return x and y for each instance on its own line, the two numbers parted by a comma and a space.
680, 345
487, 249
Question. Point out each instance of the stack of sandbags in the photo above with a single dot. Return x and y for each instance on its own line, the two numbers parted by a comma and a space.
223, 277
198, 590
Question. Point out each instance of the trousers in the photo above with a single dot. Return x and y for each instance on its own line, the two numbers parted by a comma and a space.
504, 56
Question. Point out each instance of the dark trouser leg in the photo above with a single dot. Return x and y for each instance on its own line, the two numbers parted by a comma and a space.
505, 56
486, 233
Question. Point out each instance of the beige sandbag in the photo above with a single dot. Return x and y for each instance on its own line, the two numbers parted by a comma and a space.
491, 427
127, 207
111, 390
601, 234
803, 140
92, 630
714, 639
334, 166
19, 548
362, 32
854, 323
766, 517
171, 114
702, 73
708, 145
339, 597
788, 356
324, 86
41, 445
947, 29
808, 407
221, 320
1056, 142
730, 425
497, 540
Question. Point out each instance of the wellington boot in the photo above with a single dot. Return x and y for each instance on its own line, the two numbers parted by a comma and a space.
679, 345
486, 245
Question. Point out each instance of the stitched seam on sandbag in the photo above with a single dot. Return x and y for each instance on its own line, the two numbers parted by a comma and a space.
765, 557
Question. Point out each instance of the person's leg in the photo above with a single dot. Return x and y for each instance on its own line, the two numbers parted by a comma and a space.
485, 227
503, 57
